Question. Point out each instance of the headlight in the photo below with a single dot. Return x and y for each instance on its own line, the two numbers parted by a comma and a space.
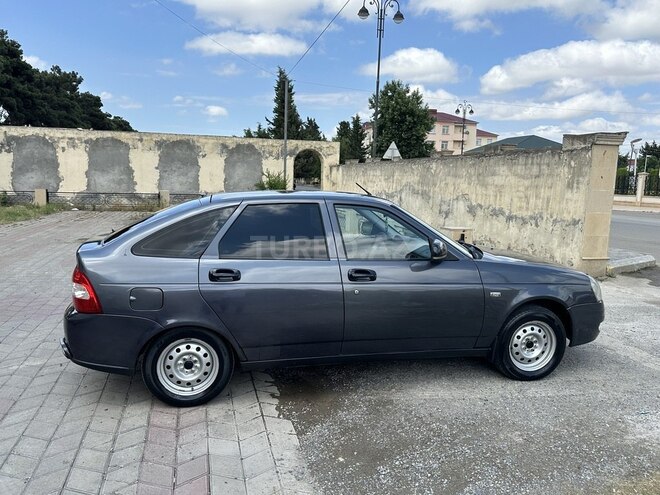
595, 286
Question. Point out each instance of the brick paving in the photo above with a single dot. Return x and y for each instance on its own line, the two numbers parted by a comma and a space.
66, 429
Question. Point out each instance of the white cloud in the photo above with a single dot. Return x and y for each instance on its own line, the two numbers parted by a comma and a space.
266, 15
248, 44
473, 15
574, 107
630, 19
216, 111
128, 104
332, 99
166, 61
416, 65
438, 98
167, 73
567, 86
36, 62
613, 62
105, 96
228, 70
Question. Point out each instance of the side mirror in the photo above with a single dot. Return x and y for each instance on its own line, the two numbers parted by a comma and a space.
438, 250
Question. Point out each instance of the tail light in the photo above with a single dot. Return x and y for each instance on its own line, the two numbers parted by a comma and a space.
84, 297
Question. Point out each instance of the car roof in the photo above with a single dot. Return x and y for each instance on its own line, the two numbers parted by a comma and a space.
289, 195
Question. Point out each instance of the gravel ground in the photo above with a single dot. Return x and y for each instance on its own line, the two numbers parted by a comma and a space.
457, 426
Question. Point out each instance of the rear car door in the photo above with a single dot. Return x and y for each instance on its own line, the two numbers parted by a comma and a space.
273, 278
396, 299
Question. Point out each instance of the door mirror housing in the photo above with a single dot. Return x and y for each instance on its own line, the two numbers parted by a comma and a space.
438, 250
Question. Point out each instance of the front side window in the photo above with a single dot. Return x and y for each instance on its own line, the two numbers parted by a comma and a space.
276, 231
375, 234
187, 238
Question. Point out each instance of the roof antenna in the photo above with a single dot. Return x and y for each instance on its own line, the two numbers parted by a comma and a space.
368, 193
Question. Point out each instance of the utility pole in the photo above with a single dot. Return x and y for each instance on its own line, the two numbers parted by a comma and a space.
286, 123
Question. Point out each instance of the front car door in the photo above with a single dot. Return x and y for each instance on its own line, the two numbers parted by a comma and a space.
272, 277
396, 299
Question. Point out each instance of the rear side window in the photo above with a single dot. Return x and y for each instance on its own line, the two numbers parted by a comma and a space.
188, 238
282, 231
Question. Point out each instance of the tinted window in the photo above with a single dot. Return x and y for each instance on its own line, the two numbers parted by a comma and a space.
374, 234
283, 231
188, 238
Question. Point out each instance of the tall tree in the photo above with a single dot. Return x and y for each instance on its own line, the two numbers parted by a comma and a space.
351, 136
403, 117
47, 98
276, 125
357, 148
259, 132
343, 137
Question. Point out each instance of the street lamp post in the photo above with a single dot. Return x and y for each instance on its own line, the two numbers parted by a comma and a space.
381, 10
464, 107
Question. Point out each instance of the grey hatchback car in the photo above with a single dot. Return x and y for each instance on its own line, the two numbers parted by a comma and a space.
290, 278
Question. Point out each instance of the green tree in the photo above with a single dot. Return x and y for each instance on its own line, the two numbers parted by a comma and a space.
357, 149
403, 117
47, 98
351, 136
343, 137
276, 124
260, 132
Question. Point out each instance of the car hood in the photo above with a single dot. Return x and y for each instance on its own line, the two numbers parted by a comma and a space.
496, 269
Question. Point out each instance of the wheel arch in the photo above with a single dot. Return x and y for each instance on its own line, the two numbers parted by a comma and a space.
554, 305
232, 345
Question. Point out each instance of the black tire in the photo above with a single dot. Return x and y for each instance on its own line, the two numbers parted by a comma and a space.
187, 367
531, 344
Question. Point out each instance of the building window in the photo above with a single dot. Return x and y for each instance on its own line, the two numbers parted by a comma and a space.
478, 141
444, 145
489, 141
445, 129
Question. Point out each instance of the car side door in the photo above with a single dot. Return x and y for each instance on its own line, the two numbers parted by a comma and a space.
397, 299
272, 277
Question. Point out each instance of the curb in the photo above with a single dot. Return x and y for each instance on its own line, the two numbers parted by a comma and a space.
632, 264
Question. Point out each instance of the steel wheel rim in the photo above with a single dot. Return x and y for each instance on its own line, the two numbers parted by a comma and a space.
187, 367
532, 346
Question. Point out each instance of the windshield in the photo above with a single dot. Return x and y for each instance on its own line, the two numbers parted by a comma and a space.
454, 244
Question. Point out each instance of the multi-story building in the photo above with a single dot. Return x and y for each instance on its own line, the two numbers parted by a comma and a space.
447, 133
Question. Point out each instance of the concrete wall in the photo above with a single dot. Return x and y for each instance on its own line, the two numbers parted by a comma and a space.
71, 160
551, 204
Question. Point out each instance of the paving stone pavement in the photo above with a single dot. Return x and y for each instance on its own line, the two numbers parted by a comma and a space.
66, 429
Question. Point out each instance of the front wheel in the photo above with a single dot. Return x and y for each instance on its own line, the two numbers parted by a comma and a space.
531, 345
187, 367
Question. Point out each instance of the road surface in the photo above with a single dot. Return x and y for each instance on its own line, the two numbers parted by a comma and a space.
636, 231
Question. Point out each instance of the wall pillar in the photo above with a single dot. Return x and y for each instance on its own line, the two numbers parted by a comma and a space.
164, 198
641, 186
41, 197
600, 198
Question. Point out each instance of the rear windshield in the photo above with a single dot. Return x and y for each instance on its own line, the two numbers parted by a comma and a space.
172, 210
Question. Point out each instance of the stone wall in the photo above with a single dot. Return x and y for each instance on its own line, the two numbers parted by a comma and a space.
550, 204
72, 160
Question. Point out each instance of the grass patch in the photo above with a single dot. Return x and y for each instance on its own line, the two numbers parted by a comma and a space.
18, 213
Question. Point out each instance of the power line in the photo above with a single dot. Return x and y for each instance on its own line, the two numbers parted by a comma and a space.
319, 36
213, 39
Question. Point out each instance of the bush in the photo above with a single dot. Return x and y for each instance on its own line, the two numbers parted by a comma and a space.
273, 181
4, 200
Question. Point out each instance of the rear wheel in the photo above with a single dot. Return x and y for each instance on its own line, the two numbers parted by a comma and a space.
187, 367
531, 345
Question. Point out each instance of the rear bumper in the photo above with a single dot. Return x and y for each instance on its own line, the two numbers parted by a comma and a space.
109, 343
586, 320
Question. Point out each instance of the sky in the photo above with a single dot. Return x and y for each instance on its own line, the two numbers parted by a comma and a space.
545, 67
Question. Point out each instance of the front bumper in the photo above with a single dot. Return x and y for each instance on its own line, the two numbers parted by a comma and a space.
586, 319
109, 343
